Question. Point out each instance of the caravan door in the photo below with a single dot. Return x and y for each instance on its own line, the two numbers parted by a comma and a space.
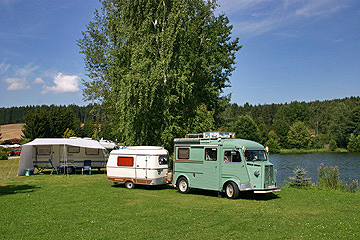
141, 167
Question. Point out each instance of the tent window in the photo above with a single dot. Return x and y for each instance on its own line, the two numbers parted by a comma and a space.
91, 151
73, 149
125, 161
43, 150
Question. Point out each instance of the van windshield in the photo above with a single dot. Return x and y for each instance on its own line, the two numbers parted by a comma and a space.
255, 155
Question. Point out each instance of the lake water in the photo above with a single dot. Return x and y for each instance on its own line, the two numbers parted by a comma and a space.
348, 163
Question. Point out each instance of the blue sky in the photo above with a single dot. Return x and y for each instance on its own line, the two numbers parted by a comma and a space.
293, 50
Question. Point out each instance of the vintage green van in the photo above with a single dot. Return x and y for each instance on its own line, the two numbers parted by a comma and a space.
220, 162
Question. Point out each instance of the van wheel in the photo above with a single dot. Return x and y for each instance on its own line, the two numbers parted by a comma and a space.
129, 185
183, 185
231, 190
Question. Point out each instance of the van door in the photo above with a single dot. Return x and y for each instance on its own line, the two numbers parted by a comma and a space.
233, 166
211, 174
141, 169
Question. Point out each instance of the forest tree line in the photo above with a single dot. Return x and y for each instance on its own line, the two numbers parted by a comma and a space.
17, 114
332, 123
317, 124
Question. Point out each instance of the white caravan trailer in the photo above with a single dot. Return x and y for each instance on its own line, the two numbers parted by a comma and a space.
146, 165
43, 152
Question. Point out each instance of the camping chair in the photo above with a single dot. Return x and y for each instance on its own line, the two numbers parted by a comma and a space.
86, 167
53, 167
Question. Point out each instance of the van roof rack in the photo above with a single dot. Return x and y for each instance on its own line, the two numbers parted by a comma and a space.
211, 135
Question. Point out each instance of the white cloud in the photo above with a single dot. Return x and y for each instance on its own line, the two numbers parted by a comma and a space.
25, 71
18, 79
320, 8
17, 84
254, 17
39, 80
63, 84
4, 67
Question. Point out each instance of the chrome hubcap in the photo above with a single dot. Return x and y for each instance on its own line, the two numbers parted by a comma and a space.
229, 190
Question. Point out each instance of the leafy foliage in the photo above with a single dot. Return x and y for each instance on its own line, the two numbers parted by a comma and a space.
273, 142
158, 66
3, 154
326, 120
332, 145
354, 143
299, 136
246, 128
69, 133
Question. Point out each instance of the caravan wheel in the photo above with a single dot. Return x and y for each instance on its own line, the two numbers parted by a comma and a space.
129, 185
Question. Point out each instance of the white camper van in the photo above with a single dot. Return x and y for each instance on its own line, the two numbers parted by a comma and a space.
145, 165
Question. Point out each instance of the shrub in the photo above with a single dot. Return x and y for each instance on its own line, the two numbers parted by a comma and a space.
3, 155
352, 187
300, 179
329, 177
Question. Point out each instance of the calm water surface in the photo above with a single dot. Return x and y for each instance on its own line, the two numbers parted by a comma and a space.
348, 163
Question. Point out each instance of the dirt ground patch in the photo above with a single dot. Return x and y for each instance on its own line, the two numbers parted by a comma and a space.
11, 131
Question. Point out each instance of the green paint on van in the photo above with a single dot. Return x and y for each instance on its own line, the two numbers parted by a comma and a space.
214, 163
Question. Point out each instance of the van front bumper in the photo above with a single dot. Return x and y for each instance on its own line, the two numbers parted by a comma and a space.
267, 190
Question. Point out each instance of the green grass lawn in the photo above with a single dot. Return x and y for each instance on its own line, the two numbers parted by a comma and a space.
91, 207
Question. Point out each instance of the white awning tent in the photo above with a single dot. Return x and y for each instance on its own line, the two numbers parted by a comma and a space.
26, 157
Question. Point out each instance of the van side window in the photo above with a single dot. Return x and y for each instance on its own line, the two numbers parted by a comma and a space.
183, 153
232, 156
125, 161
210, 154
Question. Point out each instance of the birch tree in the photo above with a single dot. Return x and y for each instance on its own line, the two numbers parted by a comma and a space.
154, 63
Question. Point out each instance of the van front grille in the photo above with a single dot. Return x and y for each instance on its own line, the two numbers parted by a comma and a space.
269, 176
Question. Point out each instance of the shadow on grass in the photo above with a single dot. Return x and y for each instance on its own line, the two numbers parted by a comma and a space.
258, 196
208, 193
145, 187
242, 195
70, 171
15, 189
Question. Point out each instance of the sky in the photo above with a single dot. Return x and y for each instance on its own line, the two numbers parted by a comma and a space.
293, 50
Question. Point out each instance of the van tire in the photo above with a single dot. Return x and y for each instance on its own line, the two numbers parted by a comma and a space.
183, 185
129, 185
231, 190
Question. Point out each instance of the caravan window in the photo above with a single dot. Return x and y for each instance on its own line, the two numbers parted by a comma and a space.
73, 149
91, 151
125, 161
183, 153
43, 150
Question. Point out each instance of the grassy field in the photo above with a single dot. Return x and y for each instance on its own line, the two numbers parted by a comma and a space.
91, 207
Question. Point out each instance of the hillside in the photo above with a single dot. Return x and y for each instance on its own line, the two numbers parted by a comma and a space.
11, 131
